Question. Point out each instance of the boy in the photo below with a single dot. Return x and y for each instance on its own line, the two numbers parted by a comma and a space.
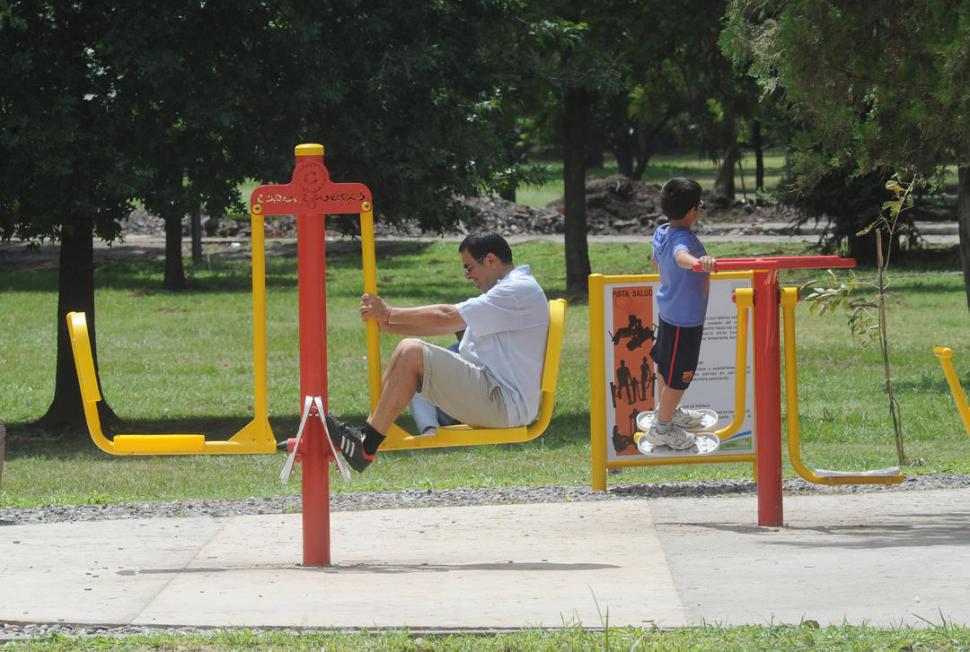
682, 307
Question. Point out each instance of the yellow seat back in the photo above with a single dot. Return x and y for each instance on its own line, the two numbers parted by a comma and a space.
550, 367
87, 378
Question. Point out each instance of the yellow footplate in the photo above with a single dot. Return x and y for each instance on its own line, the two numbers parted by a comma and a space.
158, 444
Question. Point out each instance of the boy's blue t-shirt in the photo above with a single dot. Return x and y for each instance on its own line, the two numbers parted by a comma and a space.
682, 298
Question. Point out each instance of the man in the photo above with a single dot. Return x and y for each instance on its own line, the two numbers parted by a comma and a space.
493, 379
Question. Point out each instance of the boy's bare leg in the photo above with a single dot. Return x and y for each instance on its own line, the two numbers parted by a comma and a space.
669, 400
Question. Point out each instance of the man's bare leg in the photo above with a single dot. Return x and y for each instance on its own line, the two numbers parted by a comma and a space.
401, 380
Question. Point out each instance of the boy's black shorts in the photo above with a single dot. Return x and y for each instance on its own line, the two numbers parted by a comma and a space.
675, 352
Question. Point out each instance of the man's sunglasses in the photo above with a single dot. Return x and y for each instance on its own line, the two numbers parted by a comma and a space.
468, 267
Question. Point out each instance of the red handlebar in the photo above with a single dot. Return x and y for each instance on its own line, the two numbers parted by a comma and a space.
779, 262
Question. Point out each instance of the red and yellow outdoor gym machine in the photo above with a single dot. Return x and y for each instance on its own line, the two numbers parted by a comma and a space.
769, 303
311, 196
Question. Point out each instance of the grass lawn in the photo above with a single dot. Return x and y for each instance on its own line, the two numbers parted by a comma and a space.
182, 363
806, 636
661, 168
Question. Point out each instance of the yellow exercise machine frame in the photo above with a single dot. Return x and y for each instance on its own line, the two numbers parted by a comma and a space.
890, 475
743, 298
257, 436
945, 354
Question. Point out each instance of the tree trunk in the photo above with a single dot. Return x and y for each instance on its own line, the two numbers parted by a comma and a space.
759, 157
576, 118
174, 271
196, 231
646, 138
75, 293
724, 184
623, 151
963, 218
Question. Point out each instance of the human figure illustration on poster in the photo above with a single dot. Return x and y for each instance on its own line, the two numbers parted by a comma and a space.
625, 381
647, 377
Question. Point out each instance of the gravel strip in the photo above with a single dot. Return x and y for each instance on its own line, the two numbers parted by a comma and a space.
13, 632
409, 498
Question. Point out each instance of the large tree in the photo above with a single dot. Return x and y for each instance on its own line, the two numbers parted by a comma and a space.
881, 86
62, 176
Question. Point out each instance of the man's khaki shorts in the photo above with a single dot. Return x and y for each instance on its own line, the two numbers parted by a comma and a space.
462, 390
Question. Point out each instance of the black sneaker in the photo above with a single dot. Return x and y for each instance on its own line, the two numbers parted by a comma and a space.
350, 442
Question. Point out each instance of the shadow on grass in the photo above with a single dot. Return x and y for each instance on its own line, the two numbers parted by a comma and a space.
131, 268
28, 440
930, 385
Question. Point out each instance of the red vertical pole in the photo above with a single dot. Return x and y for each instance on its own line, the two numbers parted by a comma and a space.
311, 274
767, 390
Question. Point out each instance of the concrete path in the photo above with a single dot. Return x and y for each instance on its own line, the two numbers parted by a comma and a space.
885, 558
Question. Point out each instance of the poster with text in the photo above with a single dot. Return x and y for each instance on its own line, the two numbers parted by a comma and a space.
630, 315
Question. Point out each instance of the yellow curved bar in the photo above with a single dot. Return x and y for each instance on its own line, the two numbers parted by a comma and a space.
945, 354
744, 299
369, 263
891, 475
682, 459
463, 435
77, 329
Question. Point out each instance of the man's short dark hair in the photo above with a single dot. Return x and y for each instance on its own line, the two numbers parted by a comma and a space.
678, 196
481, 244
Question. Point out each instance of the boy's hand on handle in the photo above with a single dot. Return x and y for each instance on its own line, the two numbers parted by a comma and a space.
374, 307
705, 264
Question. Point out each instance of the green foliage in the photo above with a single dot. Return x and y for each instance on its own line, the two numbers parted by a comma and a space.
874, 87
129, 101
61, 122
862, 322
878, 86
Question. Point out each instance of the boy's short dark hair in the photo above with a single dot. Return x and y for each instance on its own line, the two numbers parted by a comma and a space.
481, 244
678, 196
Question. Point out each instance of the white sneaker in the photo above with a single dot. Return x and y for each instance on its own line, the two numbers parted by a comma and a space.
673, 437
694, 420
